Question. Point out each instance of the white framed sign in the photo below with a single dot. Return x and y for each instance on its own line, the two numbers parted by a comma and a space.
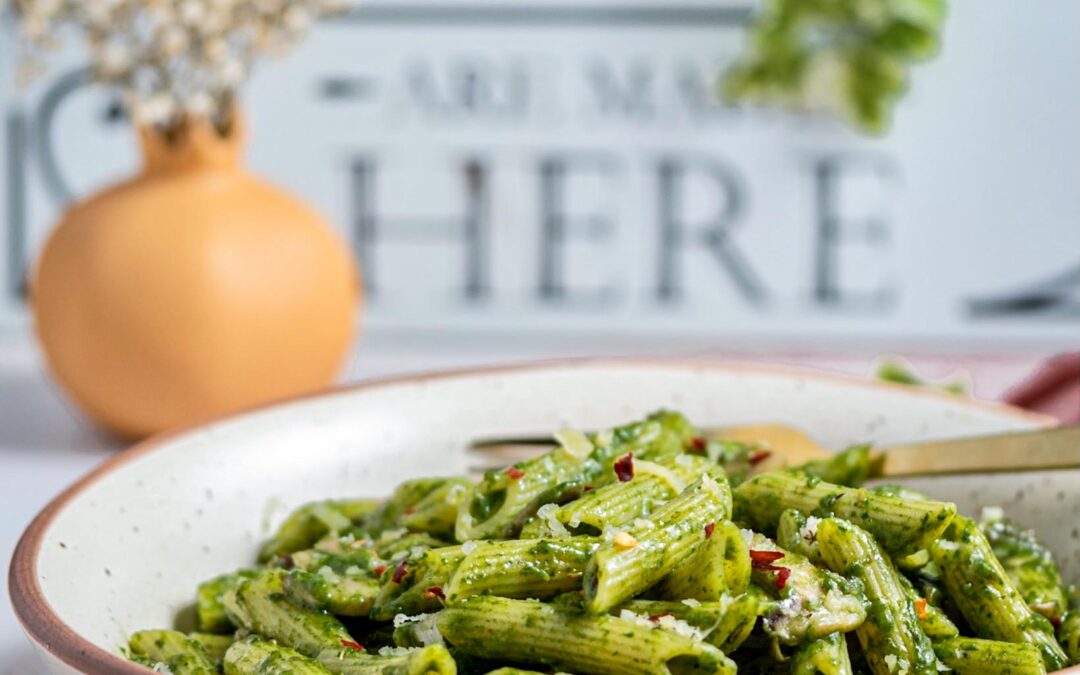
510, 168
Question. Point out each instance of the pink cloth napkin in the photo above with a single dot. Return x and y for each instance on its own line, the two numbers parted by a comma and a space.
1053, 389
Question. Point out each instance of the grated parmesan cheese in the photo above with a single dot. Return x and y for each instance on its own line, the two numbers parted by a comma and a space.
402, 619
453, 495
549, 514
680, 627
468, 547
427, 631
326, 573
643, 525
667, 623
396, 651
574, 442
709, 483
667, 475
747, 535
637, 619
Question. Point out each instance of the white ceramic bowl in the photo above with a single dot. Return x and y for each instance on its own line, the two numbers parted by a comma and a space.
124, 547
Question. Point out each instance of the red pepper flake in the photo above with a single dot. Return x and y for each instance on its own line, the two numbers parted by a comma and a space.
656, 617
782, 574
355, 646
435, 592
764, 560
624, 467
1055, 621
514, 473
399, 572
588, 488
697, 444
709, 529
411, 510
757, 456
378, 570
920, 608
286, 560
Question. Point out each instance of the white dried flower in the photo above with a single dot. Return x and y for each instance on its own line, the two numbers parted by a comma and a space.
192, 12
98, 15
215, 50
231, 73
154, 109
297, 19
200, 104
171, 58
172, 42
113, 59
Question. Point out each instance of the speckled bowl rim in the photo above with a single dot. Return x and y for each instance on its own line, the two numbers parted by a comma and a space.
48, 630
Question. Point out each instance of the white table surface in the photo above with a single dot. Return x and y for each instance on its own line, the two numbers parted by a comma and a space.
45, 444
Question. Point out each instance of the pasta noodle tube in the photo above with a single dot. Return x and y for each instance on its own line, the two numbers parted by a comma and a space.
721, 565
408, 587
631, 560
256, 656
902, 526
890, 636
972, 656
177, 652
523, 568
311, 522
561, 637
1030, 566
725, 623
827, 655
431, 660
991, 604
497, 506
345, 594
649, 488
799, 533
268, 613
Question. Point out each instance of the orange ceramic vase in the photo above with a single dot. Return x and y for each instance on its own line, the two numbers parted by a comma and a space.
191, 290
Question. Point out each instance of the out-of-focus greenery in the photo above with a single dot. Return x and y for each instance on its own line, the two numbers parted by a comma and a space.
845, 57
899, 373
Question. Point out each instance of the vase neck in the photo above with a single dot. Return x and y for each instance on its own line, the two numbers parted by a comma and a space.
194, 144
